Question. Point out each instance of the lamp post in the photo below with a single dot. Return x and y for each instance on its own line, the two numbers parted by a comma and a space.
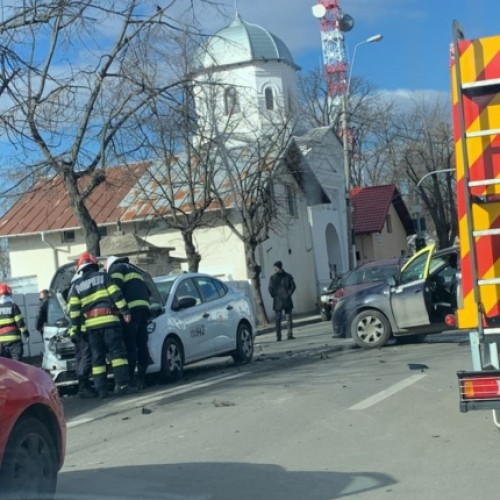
347, 161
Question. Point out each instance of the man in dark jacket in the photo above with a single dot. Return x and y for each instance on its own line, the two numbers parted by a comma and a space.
136, 293
41, 316
281, 288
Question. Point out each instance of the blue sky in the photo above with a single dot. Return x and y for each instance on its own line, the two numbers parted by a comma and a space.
414, 54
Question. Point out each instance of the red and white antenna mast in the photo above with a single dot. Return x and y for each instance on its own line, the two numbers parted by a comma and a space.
333, 24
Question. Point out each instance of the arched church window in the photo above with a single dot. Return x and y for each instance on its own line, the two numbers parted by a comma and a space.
268, 94
231, 101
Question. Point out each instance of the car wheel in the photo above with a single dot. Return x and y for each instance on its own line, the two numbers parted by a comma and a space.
172, 360
244, 344
370, 329
30, 462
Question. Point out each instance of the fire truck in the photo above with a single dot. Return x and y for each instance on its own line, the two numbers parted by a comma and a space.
475, 77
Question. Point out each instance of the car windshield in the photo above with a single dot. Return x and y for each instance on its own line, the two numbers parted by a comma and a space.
164, 287
371, 274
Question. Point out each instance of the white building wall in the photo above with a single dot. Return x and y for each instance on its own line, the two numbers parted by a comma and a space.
31, 256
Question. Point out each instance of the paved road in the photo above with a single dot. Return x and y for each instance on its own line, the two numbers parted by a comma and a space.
313, 418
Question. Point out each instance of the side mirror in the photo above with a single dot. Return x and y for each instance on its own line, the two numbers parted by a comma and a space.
391, 281
186, 302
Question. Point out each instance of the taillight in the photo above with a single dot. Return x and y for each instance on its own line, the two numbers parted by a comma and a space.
450, 320
479, 390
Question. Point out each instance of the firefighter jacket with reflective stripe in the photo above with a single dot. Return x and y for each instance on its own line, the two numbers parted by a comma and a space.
12, 324
95, 302
131, 283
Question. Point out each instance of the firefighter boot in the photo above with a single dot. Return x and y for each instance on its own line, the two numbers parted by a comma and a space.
125, 390
140, 378
85, 390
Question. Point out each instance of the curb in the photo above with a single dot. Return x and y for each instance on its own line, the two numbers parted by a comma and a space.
297, 323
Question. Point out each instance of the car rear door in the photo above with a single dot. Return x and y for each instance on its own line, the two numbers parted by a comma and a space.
409, 297
222, 317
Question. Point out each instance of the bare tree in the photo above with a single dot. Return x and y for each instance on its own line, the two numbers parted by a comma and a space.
367, 116
175, 132
427, 146
72, 80
250, 191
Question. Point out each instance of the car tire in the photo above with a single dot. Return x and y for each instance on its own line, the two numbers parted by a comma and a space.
244, 344
370, 329
30, 463
172, 360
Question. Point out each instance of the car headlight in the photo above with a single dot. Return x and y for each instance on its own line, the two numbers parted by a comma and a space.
61, 346
324, 298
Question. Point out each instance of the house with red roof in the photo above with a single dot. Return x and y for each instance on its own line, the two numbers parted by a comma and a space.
381, 221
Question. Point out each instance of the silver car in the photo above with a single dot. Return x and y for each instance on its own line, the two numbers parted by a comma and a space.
203, 317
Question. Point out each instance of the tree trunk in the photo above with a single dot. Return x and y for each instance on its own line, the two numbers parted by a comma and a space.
192, 255
254, 272
87, 223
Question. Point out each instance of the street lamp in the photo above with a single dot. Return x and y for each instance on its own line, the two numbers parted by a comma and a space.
347, 162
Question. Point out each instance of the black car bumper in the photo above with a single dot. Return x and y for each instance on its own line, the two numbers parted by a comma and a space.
339, 320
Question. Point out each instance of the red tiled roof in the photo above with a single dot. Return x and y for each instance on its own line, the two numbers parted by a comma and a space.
370, 207
46, 206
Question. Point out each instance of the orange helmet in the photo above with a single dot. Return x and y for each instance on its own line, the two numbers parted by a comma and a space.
5, 289
86, 259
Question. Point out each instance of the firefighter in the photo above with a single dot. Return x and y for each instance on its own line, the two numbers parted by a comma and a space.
136, 293
95, 303
12, 326
83, 357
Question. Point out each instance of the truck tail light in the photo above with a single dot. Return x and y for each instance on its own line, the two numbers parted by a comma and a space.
450, 320
479, 390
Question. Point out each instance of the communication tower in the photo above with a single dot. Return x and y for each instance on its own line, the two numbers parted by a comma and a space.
333, 24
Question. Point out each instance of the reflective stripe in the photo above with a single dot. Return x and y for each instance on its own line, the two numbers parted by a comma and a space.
98, 370
101, 321
8, 329
118, 362
95, 297
138, 303
9, 338
133, 276
6, 321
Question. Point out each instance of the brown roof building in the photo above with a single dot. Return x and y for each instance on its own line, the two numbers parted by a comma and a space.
381, 222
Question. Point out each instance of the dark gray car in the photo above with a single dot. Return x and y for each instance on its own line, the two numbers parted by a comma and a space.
422, 299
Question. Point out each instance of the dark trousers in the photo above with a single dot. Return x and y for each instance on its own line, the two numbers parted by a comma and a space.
83, 360
278, 318
135, 335
108, 341
12, 350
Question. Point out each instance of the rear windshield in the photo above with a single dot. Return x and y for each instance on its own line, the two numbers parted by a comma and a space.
371, 274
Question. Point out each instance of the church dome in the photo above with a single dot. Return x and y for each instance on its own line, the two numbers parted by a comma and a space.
242, 42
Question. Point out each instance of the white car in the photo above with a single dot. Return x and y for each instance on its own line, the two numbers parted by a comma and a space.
203, 317
194, 316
